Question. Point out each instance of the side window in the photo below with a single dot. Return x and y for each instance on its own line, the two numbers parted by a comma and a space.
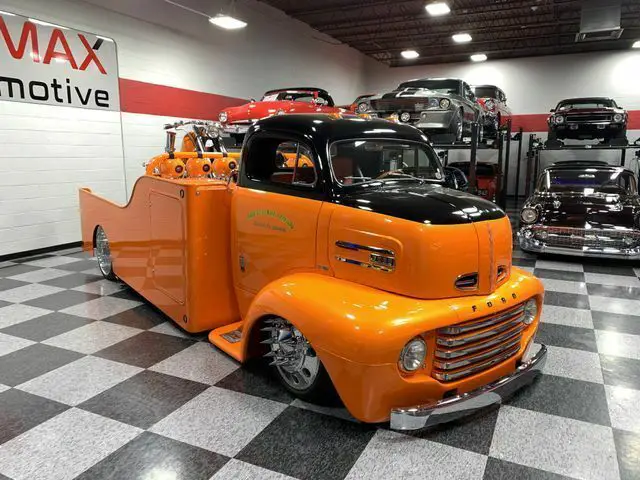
468, 93
281, 162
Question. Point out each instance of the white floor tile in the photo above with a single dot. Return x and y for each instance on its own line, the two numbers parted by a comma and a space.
17, 313
606, 279
9, 344
40, 275
555, 444
3, 388
572, 317
80, 380
239, 470
614, 305
392, 455
93, 337
101, 287
200, 362
222, 421
618, 344
565, 286
623, 408
51, 261
63, 447
170, 328
28, 292
101, 307
555, 265
572, 363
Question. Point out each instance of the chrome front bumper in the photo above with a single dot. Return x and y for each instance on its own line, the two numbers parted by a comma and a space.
423, 416
241, 128
434, 119
537, 246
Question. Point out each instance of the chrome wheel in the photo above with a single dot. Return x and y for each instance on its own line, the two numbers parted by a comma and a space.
291, 354
103, 253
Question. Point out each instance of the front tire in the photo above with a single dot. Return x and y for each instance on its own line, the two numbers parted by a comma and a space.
103, 254
457, 127
296, 363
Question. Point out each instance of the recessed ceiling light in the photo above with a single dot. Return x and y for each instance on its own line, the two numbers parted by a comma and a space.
461, 37
227, 22
478, 57
410, 54
636, 44
437, 8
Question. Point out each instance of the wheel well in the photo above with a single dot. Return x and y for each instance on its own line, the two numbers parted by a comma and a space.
256, 349
95, 231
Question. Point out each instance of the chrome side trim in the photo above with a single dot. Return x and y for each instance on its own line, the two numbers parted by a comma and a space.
352, 261
368, 248
441, 411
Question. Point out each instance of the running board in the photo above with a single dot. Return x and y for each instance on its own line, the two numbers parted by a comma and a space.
228, 339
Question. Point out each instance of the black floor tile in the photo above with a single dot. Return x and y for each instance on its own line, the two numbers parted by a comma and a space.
565, 397
524, 262
497, 469
61, 300
145, 349
80, 265
566, 336
609, 268
4, 304
628, 449
559, 275
129, 294
73, 280
255, 378
562, 299
147, 455
46, 326
308, 445
8, 284
143, 317
33, 361
616, 322
21, 411
471, 433
11, 270
621, 371
614, 291
144, 399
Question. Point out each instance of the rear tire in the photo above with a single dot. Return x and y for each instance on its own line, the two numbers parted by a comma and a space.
103, 254
457, 126
296, 364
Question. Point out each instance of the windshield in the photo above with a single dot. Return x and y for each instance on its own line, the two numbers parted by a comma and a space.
360, 161
485, 92
298, 96
585, 103
587, 181
482, 169
440, 86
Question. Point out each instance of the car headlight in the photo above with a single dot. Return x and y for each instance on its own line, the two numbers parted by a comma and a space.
530, 312
434, 102
280, 112
490, 104
445, 103
618, 117
558, 119
405, 117
362, 107
222, 116
413, 355
529, 215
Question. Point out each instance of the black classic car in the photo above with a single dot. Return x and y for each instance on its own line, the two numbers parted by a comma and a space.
442, 107
588, 119
585, 209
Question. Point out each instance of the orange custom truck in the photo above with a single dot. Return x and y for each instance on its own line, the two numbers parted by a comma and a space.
351, 267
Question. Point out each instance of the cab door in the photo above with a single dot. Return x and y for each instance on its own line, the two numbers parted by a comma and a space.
275, 210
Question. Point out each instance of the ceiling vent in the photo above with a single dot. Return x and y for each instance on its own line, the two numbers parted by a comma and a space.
600, 20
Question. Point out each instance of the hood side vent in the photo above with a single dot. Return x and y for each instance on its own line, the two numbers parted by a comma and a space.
467, 281
600, 20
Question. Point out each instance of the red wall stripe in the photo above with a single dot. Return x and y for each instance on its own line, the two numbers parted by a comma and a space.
151, 99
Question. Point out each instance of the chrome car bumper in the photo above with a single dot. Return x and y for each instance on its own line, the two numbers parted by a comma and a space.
423, 416
538, 246
236, 128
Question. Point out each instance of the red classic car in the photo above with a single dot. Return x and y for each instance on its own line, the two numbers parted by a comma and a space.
494, 102
237, 120
487, 175
354, 105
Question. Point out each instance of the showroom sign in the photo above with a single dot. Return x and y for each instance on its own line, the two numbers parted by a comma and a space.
54, 65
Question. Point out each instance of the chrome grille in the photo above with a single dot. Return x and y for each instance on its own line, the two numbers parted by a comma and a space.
589, 117
569, 237
471, 347
397, 104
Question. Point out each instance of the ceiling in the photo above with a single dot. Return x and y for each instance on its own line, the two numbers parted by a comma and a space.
500, 28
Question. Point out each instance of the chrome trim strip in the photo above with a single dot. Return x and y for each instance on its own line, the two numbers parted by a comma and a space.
368, 248
428, 415
476, 367
465, 288
352, 261
536, 246
455, 353
448, 365
454, 342
469, 326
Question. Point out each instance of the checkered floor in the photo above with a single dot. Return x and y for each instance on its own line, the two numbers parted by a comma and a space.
94, 383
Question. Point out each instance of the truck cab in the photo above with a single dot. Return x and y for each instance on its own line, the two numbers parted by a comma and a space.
338, 255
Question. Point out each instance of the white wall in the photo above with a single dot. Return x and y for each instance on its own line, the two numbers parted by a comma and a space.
51, 151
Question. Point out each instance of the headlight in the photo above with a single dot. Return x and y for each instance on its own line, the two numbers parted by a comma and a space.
489, 104
213, 131
558, 119
530, 312
222, 116
434, 102
529, 215
413, 355
445, 103
618, 117
362, 107
280, 112
405, 117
